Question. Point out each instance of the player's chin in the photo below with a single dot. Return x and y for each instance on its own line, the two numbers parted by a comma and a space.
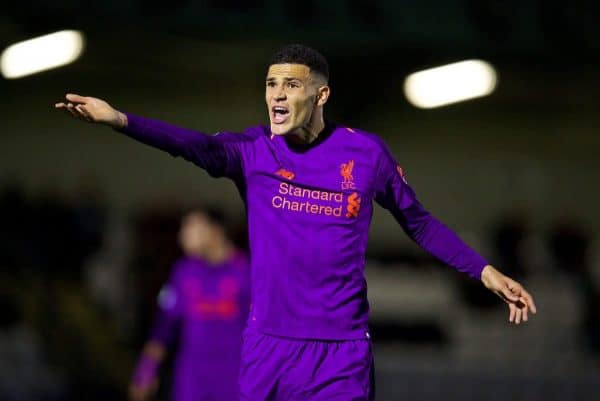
279, 129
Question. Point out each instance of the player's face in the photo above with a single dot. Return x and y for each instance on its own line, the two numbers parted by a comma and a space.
195, 233
291, 94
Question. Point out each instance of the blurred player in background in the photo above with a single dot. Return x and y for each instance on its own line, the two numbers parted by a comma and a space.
202, 311
309, 186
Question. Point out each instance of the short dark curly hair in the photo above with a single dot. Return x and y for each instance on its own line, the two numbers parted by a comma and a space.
301, 54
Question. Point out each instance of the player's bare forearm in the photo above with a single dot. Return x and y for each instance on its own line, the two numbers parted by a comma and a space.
519, 301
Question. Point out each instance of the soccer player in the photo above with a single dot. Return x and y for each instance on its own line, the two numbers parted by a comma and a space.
308, 185
203, 309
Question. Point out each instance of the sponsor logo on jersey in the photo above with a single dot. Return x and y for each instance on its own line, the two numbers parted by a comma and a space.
206, 306
353, 206
315, 201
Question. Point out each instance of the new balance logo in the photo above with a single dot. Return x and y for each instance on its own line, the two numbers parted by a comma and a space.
288, 175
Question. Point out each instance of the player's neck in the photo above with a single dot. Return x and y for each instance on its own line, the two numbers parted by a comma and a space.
309, 133
218, 254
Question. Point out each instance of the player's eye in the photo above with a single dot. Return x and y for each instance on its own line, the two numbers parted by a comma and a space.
270, 84
293, 85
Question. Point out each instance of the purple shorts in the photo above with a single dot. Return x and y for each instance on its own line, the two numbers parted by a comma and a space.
287, 369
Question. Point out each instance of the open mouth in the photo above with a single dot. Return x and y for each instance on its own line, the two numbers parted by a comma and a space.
279, 114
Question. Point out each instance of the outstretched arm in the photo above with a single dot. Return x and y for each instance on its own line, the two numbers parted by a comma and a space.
220, 155
394, 194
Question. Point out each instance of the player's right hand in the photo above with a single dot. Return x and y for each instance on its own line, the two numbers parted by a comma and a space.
92, 110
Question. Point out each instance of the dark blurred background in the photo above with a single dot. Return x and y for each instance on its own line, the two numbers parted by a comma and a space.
89, 217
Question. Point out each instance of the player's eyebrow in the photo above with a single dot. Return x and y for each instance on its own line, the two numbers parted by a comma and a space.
287, 79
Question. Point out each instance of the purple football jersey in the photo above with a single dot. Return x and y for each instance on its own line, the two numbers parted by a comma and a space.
309, 208
204, 308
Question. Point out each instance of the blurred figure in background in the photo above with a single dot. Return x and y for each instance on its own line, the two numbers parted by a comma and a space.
25, 374
203, 308
16, 216
509, 239
569, 244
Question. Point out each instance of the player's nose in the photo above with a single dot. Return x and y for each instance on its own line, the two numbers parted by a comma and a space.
280, 93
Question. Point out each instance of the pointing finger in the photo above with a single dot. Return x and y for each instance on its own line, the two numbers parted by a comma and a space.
72, 97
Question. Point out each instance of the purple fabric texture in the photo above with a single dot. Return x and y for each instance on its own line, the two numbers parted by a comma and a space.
204, 309
309, 209
288, 369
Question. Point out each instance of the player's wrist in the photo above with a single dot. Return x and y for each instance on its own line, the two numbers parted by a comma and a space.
120, 120
487, 274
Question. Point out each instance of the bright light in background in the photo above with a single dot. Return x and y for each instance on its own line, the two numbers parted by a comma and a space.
41, 53
450, 83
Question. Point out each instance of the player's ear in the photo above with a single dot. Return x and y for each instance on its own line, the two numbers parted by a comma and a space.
322, 95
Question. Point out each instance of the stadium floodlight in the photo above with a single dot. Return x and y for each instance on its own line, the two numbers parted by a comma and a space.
450, 83
41, 53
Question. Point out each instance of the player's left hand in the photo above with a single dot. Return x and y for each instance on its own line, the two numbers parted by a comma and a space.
519, 301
